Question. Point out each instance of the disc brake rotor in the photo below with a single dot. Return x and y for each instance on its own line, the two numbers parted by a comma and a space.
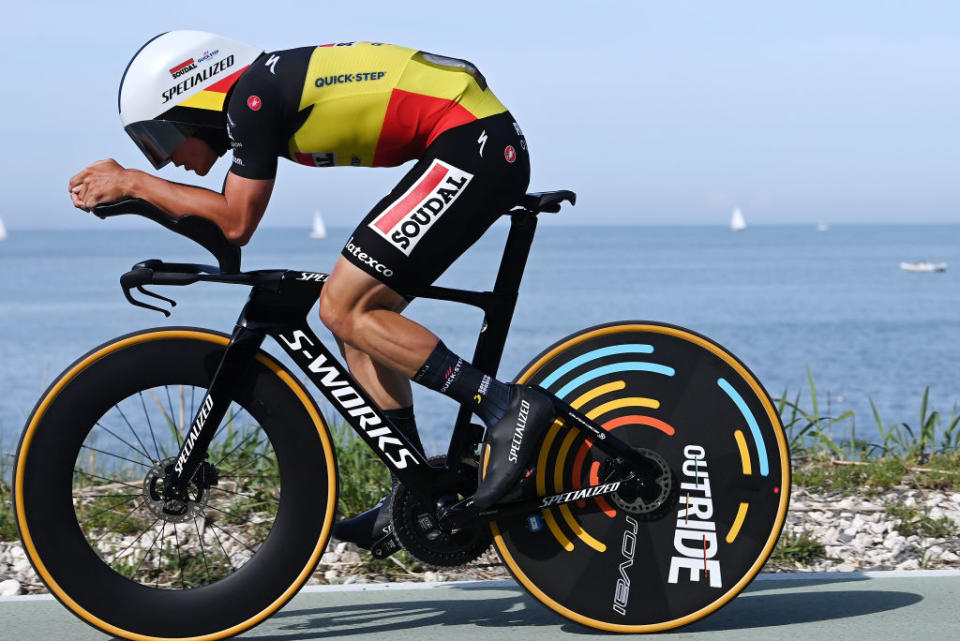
650, 499
178, 510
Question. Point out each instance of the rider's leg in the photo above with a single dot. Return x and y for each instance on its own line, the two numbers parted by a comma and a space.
389, 388
467, 177
358, 309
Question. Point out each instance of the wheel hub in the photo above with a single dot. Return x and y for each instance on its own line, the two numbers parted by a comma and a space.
649, 498
183, 507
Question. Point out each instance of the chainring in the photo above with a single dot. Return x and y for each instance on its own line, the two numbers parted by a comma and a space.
416, 526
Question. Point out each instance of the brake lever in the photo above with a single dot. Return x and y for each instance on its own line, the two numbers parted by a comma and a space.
144, 290
134, 301
136, 279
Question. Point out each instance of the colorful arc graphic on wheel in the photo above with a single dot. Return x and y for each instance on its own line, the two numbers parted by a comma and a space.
610, 402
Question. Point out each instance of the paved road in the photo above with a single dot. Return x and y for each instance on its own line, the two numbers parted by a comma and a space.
825, 607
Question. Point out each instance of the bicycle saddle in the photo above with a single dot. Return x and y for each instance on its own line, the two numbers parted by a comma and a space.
548, 201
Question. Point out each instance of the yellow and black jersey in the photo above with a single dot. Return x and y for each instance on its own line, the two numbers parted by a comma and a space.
357, 103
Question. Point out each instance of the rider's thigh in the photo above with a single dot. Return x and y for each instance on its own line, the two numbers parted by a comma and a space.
350, 291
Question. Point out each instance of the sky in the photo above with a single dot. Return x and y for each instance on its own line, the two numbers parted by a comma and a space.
653, 112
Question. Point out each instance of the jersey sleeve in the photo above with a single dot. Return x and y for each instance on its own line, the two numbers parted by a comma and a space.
254, 125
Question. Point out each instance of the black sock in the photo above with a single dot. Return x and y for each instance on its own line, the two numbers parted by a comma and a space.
447, 373
405, 422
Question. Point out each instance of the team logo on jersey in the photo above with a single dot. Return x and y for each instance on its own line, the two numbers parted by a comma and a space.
510, 154
405, 221
272, 63
254, 103
323, 159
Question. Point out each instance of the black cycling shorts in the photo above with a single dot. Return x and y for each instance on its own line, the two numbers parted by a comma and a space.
465, 179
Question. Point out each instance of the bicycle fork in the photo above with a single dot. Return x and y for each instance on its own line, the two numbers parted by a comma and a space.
190, 464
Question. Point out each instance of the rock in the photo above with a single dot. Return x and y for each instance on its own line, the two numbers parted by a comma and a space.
909, 564
879, 528
846, 504
10, 587
332, 577
350, 557
22, 567
330, 557
949, 557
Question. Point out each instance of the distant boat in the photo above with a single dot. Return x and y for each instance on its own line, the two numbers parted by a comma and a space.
737, 223
822, 226
3, 230
923, 266
319, 230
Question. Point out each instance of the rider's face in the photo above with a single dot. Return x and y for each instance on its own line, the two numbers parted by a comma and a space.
196, 155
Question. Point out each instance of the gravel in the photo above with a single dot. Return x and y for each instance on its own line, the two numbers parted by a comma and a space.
858, 533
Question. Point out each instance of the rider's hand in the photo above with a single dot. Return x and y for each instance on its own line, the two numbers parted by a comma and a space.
101, 182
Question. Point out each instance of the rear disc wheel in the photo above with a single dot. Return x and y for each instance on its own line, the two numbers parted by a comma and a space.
623, 562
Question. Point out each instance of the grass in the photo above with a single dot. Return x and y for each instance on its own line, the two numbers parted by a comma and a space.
797, 547
8, 525
911, 520
364, 479
922, 455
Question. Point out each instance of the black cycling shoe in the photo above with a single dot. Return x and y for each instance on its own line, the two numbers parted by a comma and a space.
371, 530
512, 442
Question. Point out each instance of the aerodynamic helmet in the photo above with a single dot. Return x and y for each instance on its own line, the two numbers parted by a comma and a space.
176, 86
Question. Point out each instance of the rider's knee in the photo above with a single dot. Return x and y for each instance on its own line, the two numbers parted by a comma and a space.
336, 317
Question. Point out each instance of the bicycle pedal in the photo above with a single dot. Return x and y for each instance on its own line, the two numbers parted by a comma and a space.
384, 547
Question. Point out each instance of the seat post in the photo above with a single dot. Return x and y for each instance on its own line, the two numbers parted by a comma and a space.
523, 225
496, 321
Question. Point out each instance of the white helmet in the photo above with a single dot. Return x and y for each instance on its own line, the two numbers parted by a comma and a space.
176, 87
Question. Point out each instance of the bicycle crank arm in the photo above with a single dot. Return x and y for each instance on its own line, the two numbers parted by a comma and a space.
463, 512
646, 469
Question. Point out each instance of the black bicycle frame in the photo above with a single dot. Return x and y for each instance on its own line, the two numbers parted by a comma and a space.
278, 306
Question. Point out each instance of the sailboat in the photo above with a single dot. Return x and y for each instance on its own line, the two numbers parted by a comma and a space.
822, 226
319, 230
3, 230
737, 223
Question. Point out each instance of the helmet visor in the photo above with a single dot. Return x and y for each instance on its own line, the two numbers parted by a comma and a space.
158, 139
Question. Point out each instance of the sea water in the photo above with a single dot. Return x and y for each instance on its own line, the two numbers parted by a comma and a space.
785, 299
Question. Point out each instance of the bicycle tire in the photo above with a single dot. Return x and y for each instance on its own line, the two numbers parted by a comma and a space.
691, 401
46, 470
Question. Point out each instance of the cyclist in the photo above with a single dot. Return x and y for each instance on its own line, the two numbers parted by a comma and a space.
189, 97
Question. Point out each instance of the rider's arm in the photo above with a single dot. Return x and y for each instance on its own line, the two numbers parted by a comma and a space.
237, 210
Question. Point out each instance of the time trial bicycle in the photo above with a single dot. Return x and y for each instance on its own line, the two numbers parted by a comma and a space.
179, 483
